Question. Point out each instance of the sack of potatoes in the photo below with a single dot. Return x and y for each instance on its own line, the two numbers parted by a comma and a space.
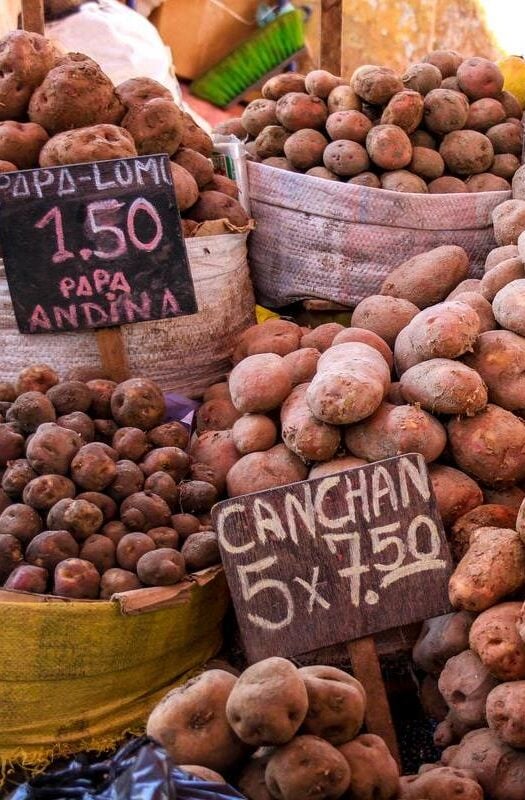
445, 125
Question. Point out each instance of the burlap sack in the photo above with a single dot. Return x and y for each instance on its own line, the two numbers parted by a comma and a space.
334, 241
185, 354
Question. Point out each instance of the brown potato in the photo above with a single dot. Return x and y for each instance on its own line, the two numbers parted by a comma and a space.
279, 85
499, 358
217, 414
447, 185
447, 61
374, 772
128, 480
156, 126
508, 306
201, 550
451, 83
499, 254
426, 163
114, 530
131, 547
421, 138
444, 386
445, 110
172, 460
320, 83
389, 147
99, 551
92, 468
467, 152
131, 443
510, 103
336, 704
440, 639
272, 386
231, 127
485, 113
30, 410
145, 510
429, 277
384, 315
162, 567
343, 98
92, 143
20, 521
164, 537
506, 138
486, 182
485, 516
196, 164
80, 517
506, 712
11, 445
52, 449
296, 111
80, 423
138, 403
45, 491
350, 125
163, 485
509, 220
479, 77
404, 109
375, 85
107, 506
194, 137
27, 578
49, 548
268, 703
511, 497
197, 497
217, 450
279, 163
170, 434
304, 149
186, 188
137, 91
185, 524
346, 158
456, 493
25, 58
439, 783
258, 115
254, 433
307, 766
403, 181
505, 165
494, 637
105, 430
512, 269
10, 554
217, 205
102, 391
270, 141
16, 477
422, 78
117, 580
21, 143
211, 743
76, 578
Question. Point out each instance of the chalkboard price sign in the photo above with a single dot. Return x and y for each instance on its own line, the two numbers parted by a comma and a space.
335, 559
94, 245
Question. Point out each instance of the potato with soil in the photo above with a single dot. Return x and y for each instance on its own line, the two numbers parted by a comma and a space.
467, 152
444, 111
479, 77
494, 637
144, 510
217, 450
10, 554
304, 149
384, 315
21, 143
456, 493
99, 551
102, 392
137, 91
256, 472
443, 386
161, 567
49, 548
302, 365
36, 378
350, 383
490, 446
405, 110
163, 485
170, 434
131, 548
506, 713
80, 423
394, 430
427, 278
30, 410
93, 143
509, 221
52, 449
11, 445
25, 58
336, 465
512, 269
441, 782
374, 772
80, 517
320, 83
336, 704
268, 703
352, 125
258, 115
27, 578
422, 78
279, 85
20, 521
401, 180
196, 164
254, 433
440, 639
190, 723
447, 185
485, 516
486, 182
16, 477
295, 111
194, 137
76, 579
270, 141
75, 94
93, 468
509, 306
389, 147
259, 383
499, 358
44, 492
273, 336
499, 254
131, 443
482, 308
116, 580
375, 85
505, 165
185, 185
426, 163
128, 480
156, 126
197, 497
302, 433
345, 158
465, 683
506, 138
447, 61
201, 550
172, 460
216, 205
492, 568
307, 765
138, 403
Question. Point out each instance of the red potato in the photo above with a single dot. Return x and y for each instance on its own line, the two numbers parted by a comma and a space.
440, 639
185, 525
302, 433
375, 85
258, 471
479, 77
485, 113
366, 179
345, 158
30, 410
258, 115
128, 480
273, 336
131, 443
20, 521
465, 684
45, 491
16, 477
117, 580
50, 548
499, 254
482, 308
52, 449
509, 306
422, 78
309, 766
164, 537
76, 578
355, 334
447, 61
404, 109
499, 358
348, 125
162, 567
131, 547
336, 704
426, 163
384, 315
374, 772
506, 713
447, 185
114, 530
445, 110
439, 782
322, 337
456, 493
171, 460
27, 578
304, 149
259, 383
163, 485
320, 82
92, 468
144, 510
505, 165
427, 278
216, 449
509, 221
170, 434
99, 551
467, 152
80, 423
10, 555
343, 98
254, 433
295, 111
494, 637
443, 386
302, 364
389, 147
217, 414
102, 391
511, 497
138, 403
36, 378
11, 445
485, 516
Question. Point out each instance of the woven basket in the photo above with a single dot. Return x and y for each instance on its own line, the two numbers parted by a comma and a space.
185, 354
334, 241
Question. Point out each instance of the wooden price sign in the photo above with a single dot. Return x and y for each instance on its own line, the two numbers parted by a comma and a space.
337, 559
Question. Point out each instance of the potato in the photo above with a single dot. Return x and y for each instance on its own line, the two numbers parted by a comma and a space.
336, 704
449, 731
405, 109
494, 637
468, 286
427, 278
321, 337
440, 639
456, 493
258, 115
196, 164
92, 468
30, 410
273, 336
374, 773
99, 551
343, 98
27, 578
52, 449
279, 85
421, 138
201, 550
21, 143
270, 141
422, 78
506, 712
197, 497
426, 163
105, 430
511, 497
93, 143
49, 548
107, 506
366, 179
375, 85
132, 443
505, 165
465, 683
194, 137
102, 392
510, 103
320, 83
256, 472
509, 220
302, 433
307, 766
384, 315
444, 111
439, 783
447, 185
79, 423
143, 511
25, 58
162, 567
11, 445
481, 306
137, 91
138, 403
45, 491
76, 578
467, 152
345, 158
350, 384
218, 414
389, 147
304, 149
20, 521
442, 386
185, 525
185, 185
394, 430
447, 61
518, 184
500, 275
479, 77
117, 580
506, 138
10, 554
491, 569
485, 113
302, 364
251, 781
485, 516
131, 547
365, 336
164, 537
156, 126
128, 480
216, 449
231, 127
499, 254
216, 205
210, 743
16, 476
486, 182
508, 306
254, 433
259, 383
403, 181
79, 517
75, 94
163, 485
350, 125
336, 465
295, 111
279, 163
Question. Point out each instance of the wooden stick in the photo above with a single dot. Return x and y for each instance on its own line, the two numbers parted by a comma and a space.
367, 670
113, 353
33, 16
331, 35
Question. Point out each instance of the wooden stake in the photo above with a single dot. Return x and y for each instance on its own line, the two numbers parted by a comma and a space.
113, 354
33, 16
331, 35
367, 670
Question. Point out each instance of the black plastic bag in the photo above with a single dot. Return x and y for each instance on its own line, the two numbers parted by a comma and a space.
141, 770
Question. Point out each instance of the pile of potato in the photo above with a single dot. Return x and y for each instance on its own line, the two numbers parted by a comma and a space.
277, 732
446, 125
98, 492
58, 109
475, 659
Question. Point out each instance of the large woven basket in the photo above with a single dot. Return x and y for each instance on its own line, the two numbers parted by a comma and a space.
185, 354
337, 241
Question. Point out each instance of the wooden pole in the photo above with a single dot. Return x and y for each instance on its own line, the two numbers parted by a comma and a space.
33, 16
113, 354
367, 670
331, 35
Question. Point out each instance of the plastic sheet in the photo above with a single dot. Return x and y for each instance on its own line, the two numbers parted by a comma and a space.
141, 770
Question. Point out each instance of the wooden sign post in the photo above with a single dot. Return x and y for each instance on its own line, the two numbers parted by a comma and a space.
92, 246
335, 560
331, 35
33, 15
